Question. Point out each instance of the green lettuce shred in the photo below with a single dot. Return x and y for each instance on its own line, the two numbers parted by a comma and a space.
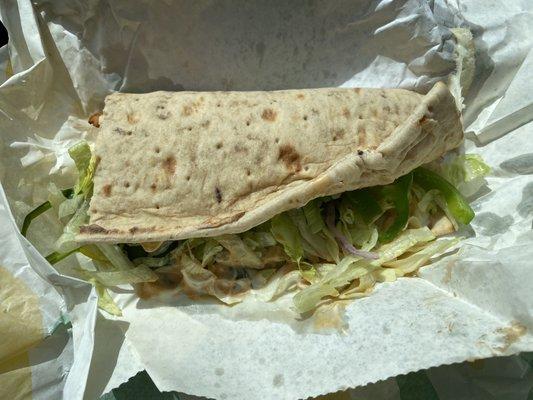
313, 216
286, 233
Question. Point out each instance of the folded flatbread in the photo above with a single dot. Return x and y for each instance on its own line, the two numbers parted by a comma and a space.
198, 164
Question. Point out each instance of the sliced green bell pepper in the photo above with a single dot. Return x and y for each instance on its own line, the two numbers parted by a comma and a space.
398, 194
457, 204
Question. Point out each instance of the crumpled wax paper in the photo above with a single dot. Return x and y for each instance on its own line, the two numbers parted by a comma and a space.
64, 57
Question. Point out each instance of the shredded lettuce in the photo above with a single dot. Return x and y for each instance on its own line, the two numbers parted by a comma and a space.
286, 233
279, 283
320, 244
152, 262
137, 274
78, 205
404, 242
105, 301
346, 270
257, 239
199, 280
351, 268
115, 256
411, 263
342, 238
370, 233
67, 241
313, 217
466, 172
238, 253
210, 250
85, 163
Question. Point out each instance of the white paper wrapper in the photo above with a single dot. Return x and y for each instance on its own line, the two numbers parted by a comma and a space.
475, 304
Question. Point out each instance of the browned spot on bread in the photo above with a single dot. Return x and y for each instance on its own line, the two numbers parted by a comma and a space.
126, 184
94, 119
386, 109
269, 115
206, 123
219, 145
218, 195
98, 159
248, 172
136, 229
92, 229
132, 118
357, 90
153, 186
169, 165
187, 110
423, 120
300, 96
215, 222
106, 190
346, 112
338, 134
290, 157
360, 152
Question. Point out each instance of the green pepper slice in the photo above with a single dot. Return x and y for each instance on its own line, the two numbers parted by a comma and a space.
457, 204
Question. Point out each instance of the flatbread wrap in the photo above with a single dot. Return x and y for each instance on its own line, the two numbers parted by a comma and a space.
188, 164
319, 191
